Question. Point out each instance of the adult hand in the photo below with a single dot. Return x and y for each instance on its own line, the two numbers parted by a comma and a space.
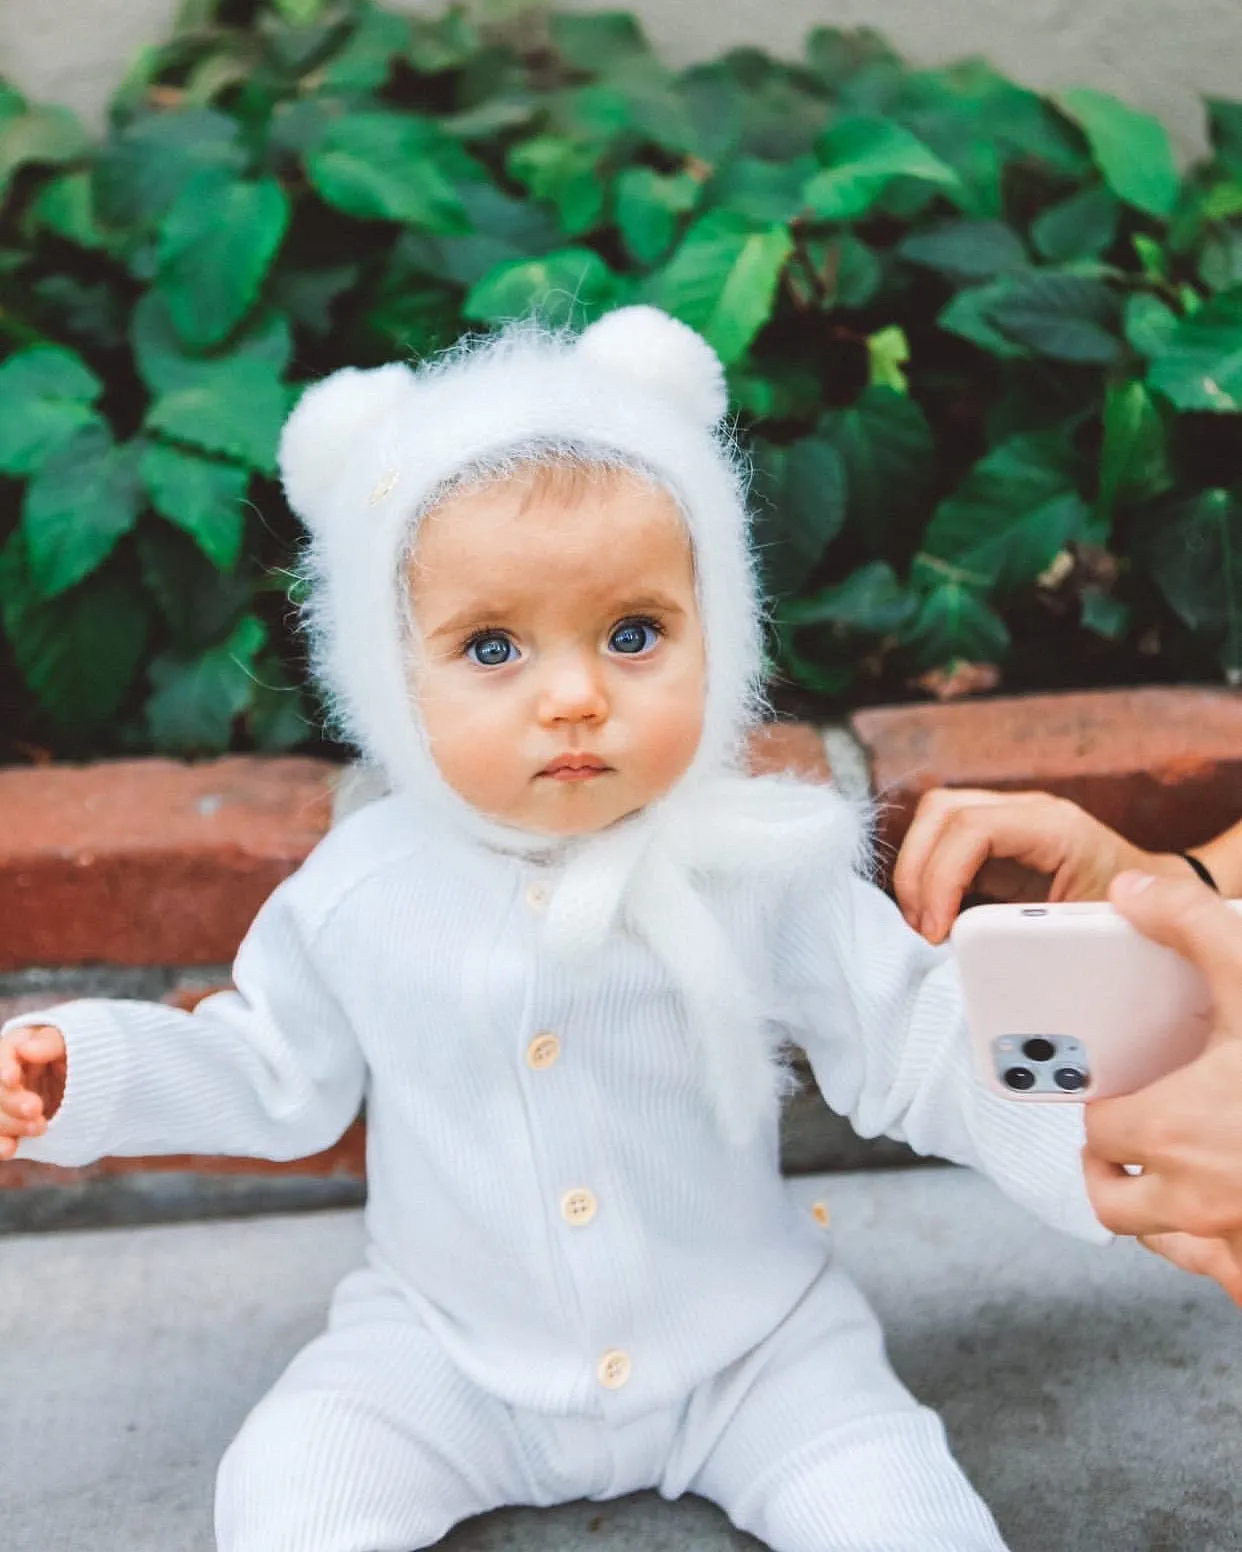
1012, 845
32, 1083
1184, 1131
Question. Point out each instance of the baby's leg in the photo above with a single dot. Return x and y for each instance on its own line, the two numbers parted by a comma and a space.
371, 1441
812, 1444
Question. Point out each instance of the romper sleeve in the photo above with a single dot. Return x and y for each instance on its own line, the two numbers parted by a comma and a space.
878, 1011
270, 1070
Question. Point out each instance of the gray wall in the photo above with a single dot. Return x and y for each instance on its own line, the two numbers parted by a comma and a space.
1161, 55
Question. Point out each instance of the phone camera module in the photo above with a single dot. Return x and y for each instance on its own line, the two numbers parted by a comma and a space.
1071, 1079
1038, 1050
1019, 1078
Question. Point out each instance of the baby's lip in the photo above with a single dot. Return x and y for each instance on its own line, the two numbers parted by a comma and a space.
578, 761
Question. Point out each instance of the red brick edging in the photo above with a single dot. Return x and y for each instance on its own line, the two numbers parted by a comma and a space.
151, 862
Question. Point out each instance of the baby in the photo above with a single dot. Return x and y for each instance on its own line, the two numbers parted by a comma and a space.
560, 962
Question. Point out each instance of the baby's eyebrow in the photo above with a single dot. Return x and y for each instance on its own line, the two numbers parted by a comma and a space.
659, 603
472, 616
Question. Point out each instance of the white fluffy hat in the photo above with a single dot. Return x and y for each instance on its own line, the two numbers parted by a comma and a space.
366, 453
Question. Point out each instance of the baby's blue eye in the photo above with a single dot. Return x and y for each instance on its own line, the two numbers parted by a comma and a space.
491, 650
634, 636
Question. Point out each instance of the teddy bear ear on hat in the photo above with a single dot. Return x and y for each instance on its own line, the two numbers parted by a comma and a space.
663, 356
330, 420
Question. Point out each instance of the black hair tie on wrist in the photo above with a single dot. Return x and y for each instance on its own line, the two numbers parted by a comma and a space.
1201, 869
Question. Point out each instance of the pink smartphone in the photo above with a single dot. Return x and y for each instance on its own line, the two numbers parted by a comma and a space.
1071, 1002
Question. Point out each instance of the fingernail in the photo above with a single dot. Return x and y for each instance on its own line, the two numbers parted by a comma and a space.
1132, 883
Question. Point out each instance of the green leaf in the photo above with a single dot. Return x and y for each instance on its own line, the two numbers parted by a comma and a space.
1192, 548
887, 448
1134, 463
386, 167
308, 295
196, 701
763, 192
1225, 122
561, 287
1220, 263
966, 250
851, 272
861, 158
870, 599
142, 169
201, 495
41, 134
1105, 615
199, 603
954, 624
279, 716
216, 246
1200, 366
648, 207
1064, 317
443, 43
722, 280
1080, 227
78, 654
78, 504
887, 353
564, 172
46, 395
367, 60
1150, 325
165, 364
236, 413
1131, 149
969, 315
1016, 509
66, 207
800, 507
600, 43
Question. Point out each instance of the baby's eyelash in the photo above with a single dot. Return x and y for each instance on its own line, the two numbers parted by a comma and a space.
642, 619
484, 634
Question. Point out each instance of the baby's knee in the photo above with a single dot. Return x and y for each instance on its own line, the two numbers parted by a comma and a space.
309, 1472
882, 1482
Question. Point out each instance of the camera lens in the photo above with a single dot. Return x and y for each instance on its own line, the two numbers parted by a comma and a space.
1070, 1078
1038, 1050
1019, 1078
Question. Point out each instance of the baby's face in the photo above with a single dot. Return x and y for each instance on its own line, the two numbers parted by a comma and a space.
562, 669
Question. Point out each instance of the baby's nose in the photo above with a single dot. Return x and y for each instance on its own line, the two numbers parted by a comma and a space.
573, 690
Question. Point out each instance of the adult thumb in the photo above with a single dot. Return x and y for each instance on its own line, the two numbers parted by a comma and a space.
1187, 917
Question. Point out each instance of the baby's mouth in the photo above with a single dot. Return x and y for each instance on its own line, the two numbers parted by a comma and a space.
575, 767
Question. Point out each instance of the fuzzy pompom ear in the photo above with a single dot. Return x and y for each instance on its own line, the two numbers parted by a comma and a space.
330, 419
662, 355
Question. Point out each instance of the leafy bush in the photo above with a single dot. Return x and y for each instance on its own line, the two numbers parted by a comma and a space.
986, 347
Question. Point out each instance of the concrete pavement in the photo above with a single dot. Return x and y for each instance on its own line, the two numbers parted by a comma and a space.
1095, 1397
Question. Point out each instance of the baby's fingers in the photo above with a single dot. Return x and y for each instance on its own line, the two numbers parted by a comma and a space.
40, 1044
18, 1104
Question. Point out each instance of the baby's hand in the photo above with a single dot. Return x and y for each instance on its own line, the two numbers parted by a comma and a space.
32, 1083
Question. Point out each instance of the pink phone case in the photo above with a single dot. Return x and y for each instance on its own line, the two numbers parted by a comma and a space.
1069, 1002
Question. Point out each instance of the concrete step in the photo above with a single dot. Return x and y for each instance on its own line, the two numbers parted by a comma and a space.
1094, 1397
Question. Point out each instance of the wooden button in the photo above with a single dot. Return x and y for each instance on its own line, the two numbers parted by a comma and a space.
819, 1211
543, 1051
613, 1369
579, 1206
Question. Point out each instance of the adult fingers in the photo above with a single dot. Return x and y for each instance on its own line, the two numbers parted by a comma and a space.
934, 810
1187, 917
1125, 1203
1214, 1258
1030, 831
